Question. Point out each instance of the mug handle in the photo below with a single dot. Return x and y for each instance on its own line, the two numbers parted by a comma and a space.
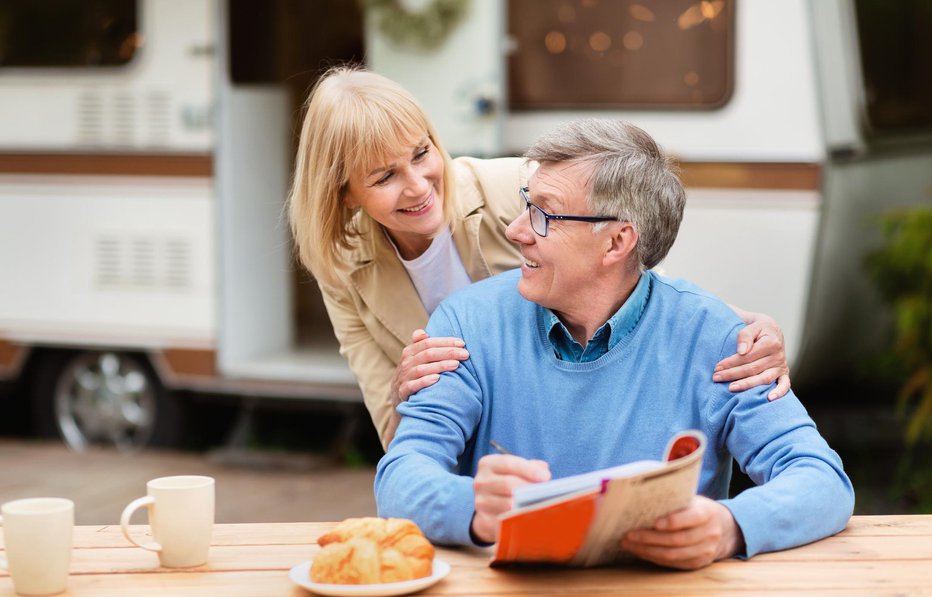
4, 565
128, 513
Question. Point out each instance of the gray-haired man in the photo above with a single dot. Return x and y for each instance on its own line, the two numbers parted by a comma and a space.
584, 360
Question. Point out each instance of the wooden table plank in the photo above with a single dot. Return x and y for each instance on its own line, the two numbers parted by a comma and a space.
281, 533
884, 555
891, 580
897, 525
226, 558
846, 548
222, 584
480, 579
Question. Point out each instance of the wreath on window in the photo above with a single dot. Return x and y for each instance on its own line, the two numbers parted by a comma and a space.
421, 28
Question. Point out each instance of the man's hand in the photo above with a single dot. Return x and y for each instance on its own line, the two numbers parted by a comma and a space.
696, 536
496, 479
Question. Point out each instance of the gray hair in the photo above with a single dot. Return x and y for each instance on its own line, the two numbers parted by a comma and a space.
632, 179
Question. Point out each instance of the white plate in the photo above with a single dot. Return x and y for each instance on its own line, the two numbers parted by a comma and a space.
300, 575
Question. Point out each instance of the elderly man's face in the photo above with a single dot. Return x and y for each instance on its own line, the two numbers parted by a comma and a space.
558, 268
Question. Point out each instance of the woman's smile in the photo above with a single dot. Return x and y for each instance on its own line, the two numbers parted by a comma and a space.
420, 208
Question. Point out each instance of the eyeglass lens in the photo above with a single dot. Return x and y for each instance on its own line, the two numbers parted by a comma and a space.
538, 220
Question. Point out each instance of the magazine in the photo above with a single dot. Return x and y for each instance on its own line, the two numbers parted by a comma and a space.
580, 520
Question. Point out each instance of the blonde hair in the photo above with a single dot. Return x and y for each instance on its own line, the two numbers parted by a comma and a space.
353, 119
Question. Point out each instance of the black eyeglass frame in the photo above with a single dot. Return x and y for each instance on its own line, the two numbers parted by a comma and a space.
523, 191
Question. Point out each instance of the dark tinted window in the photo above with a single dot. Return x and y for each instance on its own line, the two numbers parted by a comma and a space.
68, 33
896, 61
292, 41
620, 53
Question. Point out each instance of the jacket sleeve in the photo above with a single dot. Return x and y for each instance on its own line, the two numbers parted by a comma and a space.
370, 364
419, 477
801, 491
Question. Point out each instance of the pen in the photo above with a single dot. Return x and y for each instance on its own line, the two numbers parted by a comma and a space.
498, 447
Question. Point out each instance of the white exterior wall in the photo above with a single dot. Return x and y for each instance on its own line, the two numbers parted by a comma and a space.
450, 79
107, 260
160, 101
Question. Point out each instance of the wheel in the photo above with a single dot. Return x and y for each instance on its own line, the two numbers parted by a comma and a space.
105, 398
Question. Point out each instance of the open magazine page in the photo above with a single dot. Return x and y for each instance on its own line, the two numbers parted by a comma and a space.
584, 527
638, 502
539, 492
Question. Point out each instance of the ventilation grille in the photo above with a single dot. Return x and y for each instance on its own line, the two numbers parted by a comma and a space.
143, 263
124, 119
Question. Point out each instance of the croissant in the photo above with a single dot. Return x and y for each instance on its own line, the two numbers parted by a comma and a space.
372, 550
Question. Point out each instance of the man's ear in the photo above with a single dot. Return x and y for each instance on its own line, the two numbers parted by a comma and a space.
622, 245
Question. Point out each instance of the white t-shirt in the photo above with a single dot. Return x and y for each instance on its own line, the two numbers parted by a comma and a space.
438, 272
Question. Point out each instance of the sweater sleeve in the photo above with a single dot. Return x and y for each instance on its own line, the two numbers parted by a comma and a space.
419, 476
802, 493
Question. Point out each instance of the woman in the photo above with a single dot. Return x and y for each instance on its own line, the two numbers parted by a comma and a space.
390, 225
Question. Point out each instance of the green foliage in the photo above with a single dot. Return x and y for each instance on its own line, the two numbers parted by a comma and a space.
902, 271
426, 28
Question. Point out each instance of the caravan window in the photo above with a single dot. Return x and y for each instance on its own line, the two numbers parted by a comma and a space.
896, 60
68, 33
620, 53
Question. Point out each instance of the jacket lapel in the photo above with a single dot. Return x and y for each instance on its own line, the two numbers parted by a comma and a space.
466, 231
466, 239
383, 284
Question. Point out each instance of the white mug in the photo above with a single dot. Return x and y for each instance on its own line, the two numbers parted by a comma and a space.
181, 515
38, 533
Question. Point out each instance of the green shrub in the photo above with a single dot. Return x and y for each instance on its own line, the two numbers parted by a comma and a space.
902, 272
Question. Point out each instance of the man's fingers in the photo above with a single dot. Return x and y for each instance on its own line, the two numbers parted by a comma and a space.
697, 513
680, 538
532, 471
492, 504
684, 558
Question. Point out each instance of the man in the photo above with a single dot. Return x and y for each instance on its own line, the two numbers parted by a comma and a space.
585, 359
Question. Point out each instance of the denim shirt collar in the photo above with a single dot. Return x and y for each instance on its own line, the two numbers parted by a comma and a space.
607, 336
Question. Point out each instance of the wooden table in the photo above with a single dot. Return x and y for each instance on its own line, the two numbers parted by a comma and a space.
875, 555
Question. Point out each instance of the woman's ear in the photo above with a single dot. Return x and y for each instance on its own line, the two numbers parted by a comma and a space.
348, 200
621, 247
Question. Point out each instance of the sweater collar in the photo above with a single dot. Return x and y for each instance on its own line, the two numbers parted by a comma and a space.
609, 334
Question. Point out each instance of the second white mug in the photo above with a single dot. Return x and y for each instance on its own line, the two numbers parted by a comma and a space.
181, 516
38, 533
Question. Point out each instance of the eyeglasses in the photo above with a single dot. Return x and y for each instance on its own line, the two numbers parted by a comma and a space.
540, 219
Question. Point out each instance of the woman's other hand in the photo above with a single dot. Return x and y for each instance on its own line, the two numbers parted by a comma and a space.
760, 360
422, 362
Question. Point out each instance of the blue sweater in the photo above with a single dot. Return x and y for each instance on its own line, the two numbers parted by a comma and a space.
623, 406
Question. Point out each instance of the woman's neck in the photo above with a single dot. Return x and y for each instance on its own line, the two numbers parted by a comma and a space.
410, 246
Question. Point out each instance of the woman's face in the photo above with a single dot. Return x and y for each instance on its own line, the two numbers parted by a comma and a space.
404, 195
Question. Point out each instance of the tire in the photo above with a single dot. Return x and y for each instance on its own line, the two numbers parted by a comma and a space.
104, 398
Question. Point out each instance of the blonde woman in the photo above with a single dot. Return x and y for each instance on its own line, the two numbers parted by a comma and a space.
389, 226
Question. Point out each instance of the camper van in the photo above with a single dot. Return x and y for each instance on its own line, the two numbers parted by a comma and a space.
146, 149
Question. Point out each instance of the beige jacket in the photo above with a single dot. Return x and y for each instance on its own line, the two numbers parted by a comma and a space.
378, 308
